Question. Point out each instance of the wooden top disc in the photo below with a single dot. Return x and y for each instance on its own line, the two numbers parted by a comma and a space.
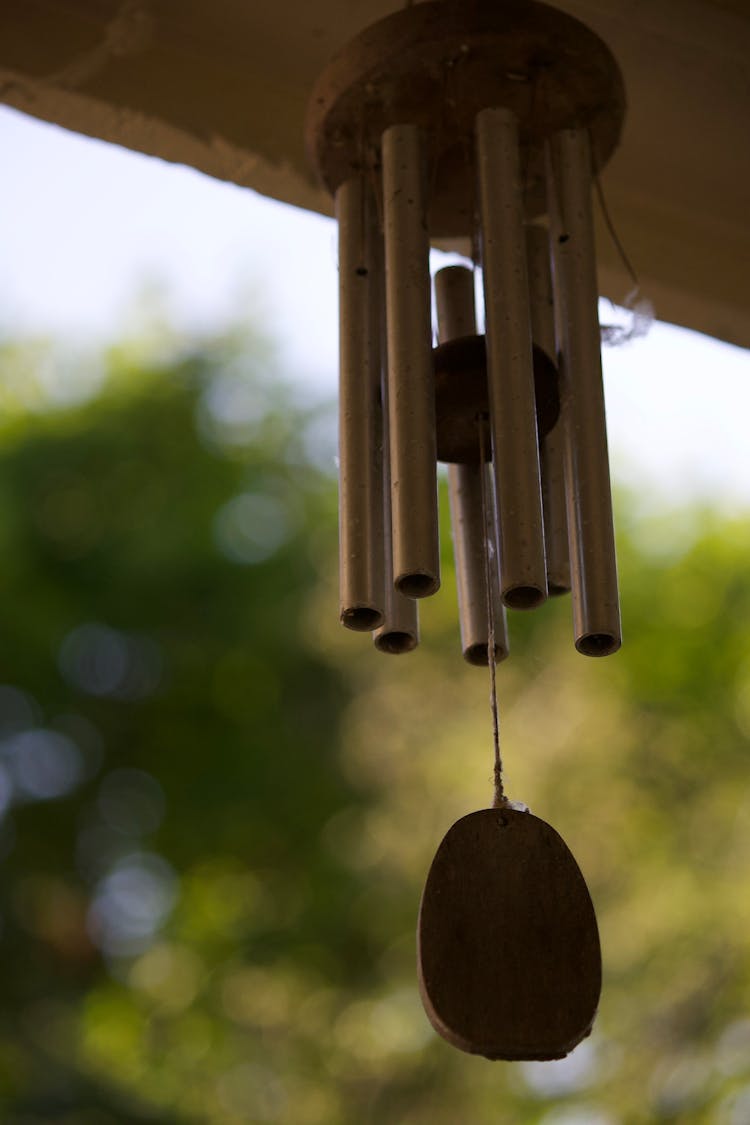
436, 65
508, 947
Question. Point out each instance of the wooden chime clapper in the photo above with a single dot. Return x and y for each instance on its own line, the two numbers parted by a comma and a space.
482, 121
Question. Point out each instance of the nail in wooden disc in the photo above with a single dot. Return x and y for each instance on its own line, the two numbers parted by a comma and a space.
508, 947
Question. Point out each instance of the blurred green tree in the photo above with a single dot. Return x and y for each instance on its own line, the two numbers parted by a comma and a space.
218, 808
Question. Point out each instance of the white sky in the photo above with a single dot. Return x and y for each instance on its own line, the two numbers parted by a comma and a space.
84, 226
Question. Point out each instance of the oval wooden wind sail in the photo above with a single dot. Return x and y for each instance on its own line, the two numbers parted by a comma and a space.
508, 946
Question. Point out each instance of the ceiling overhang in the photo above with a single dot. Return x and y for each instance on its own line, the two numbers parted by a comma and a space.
223, 86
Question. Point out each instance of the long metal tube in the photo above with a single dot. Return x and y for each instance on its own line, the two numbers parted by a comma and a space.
468, 486
361, 513
515, 452
551, 445
596, 610
411, 415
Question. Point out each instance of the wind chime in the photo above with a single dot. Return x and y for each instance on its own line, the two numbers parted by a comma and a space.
478, 123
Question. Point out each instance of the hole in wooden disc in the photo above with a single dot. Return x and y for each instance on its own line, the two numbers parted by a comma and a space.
598, 644
362, 618
395, 642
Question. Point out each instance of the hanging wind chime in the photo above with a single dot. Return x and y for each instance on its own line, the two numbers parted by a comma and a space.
482, 123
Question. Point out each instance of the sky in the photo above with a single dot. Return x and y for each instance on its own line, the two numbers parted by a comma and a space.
86, 228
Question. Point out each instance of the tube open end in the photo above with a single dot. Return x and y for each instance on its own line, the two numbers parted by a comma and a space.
417, 585
598, 644
478, 655
395, 642
361, 618
524, 597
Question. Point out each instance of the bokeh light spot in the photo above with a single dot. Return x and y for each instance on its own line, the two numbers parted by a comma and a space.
105, 662
18, 710
252, 1092
6, 791
131, 903
168, 975
231, 410
562, 1076
250, 528
44, 763
131, 801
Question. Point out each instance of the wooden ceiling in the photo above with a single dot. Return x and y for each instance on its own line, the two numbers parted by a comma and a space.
222, 85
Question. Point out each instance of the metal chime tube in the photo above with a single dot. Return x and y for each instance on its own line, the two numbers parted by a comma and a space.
515, 452
361, 513
400, 629
550, 446
454, 296
411, 414
471, 543
555, 513
454, 301
596, 611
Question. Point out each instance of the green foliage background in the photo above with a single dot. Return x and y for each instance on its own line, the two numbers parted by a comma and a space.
219, 808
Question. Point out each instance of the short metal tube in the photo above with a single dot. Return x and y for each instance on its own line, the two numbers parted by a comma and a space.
454, 301
473, 535
469, 489
541, 297
411, 416
515, 451
551, 457
361, 512
400, 629
596, 610
550, 446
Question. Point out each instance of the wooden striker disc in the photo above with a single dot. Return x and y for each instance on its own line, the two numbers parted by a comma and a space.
508, 947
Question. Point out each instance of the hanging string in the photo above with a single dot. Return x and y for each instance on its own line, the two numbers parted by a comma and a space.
613, 233
640, 308
499, 799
